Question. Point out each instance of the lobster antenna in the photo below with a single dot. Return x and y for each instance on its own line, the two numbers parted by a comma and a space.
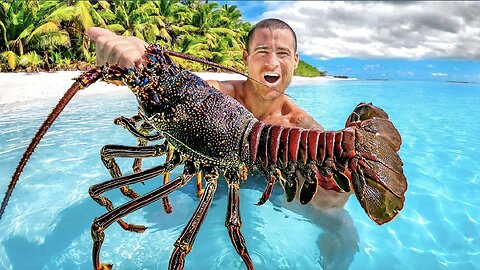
206, 62
62, 103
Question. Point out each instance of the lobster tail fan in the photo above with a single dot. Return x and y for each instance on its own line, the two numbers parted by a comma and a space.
379, 203
92, 76
382, 126
377, 173
365, 111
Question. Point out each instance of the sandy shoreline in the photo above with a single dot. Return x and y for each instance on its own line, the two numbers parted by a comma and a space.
19, 87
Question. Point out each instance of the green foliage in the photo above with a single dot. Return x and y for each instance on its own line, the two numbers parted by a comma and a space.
10, 60
30, 61
51, 34
307, 70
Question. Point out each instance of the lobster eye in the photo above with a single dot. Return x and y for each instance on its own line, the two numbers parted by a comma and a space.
149, 102
145, 109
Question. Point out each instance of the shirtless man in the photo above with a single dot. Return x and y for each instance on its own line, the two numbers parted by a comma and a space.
271, 58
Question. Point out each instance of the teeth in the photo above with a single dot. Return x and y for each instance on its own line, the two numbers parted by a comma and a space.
271, 77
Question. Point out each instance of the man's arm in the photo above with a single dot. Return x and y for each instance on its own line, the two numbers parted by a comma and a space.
214, 84
114, 49
304, 120
128, 52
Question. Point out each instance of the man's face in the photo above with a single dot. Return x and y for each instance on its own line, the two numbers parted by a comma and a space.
271, 60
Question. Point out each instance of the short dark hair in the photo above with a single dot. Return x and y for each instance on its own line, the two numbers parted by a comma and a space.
271, 24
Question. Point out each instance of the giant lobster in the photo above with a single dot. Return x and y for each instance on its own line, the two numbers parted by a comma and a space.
212, 133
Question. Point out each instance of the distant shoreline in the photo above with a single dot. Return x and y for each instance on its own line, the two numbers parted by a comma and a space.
21, 86
465, 82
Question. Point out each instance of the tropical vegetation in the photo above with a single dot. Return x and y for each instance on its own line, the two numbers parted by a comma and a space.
307, 70
50, 35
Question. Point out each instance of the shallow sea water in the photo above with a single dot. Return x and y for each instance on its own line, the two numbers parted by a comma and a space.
47, 222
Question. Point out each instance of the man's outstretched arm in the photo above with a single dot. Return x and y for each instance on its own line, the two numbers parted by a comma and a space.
114, 49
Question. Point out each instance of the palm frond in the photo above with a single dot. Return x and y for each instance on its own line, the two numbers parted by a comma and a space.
63, 13
83, 13
223, 31
104, 5
51, 39
117, 28
44, 28
26, 32
11, 58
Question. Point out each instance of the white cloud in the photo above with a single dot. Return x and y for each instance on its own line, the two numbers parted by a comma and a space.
410, 30
439, 74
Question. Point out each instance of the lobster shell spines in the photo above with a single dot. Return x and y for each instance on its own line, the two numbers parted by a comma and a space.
196, 119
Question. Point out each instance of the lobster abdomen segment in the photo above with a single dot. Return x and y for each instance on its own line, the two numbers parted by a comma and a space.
286, 148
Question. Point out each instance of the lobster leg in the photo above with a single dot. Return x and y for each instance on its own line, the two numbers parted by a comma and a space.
109, 152
96, 190
200, 189
233, 221
184, 243
101, 223
166, 203
142, 133
137, 162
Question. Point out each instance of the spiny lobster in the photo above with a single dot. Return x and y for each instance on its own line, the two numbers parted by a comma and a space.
212, 133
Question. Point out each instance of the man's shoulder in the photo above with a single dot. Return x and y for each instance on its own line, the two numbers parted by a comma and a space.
214, 83
227, 87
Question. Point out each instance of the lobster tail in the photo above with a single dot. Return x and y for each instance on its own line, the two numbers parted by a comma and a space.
361, 158
283, 152
377, 174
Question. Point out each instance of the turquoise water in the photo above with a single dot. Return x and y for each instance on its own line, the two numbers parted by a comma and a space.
47, 222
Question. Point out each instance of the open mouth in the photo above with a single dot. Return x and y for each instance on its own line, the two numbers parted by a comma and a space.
271, 77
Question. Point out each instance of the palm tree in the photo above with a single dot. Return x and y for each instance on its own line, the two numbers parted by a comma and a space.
230, 16
199, 28
25, 29
138, 18
175, 15
205, 22
76, 17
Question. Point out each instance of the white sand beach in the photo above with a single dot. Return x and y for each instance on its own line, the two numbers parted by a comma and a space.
19, 87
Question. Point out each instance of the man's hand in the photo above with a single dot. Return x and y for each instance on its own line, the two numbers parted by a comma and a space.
114, 49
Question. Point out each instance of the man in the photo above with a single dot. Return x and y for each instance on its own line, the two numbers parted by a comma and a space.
271, 57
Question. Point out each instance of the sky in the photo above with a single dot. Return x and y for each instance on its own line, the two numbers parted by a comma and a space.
394, 40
